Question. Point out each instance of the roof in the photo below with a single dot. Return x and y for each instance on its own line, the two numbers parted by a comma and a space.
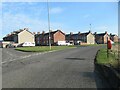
84, 34
100, 34
81, 34
17, 32
53, 32
113, 35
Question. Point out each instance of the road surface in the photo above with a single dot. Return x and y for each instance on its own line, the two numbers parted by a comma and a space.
70, 68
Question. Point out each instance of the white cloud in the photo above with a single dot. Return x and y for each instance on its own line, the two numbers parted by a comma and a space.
56, 10
86, 16
60, 1
14, 22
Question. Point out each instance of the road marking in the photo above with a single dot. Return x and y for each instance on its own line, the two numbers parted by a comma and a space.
23, 57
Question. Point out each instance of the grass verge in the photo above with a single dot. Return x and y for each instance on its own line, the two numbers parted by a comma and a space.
103, 59
43, 48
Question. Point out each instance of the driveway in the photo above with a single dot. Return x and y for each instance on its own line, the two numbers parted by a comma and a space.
71, 68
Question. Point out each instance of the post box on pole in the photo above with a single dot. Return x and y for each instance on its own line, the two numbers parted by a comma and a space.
109, 46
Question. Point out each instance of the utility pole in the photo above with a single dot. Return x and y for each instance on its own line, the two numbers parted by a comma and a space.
49, 24
107, 49
90, 26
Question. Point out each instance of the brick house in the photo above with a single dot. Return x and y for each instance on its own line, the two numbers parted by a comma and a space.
79, 38
55, 36
20, 36
101, 38
114, 37
69, 38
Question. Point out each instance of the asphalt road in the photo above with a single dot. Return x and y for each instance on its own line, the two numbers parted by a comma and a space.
71, 68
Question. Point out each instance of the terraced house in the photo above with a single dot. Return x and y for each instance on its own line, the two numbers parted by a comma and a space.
55, 36
20, 36
101, 38
114, 37
80, 38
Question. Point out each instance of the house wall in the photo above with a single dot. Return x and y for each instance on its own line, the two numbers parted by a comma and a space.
115, 39
105, 38
99, 39
69, 38
16, 38
37, 40
25, 36
90, 39
46, 40
58, 36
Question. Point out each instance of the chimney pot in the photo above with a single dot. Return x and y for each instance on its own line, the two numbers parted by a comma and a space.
89, 31
95, 33
79, 32
106, 32
38, 32
43, 32
71, 33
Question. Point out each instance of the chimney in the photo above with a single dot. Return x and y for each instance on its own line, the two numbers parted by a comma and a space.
38, 32
25, 29
89, 31
71, 33
95, 33
43, 32
110, 34
78, 32
105, 32
34, 33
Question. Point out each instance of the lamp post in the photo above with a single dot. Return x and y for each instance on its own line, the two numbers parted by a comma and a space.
90, 26
49, 24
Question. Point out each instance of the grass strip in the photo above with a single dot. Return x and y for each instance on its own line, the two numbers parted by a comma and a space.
103, 59
42, 48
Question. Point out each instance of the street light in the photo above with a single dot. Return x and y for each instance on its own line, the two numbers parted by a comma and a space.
49, 24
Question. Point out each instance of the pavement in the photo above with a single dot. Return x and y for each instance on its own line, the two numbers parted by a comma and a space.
70, 68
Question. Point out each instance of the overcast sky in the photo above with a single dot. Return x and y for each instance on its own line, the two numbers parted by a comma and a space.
67, 16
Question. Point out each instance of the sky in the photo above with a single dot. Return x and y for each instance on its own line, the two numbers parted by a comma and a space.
67, 16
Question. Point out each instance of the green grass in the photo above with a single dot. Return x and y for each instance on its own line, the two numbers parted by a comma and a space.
103, 59
42, 48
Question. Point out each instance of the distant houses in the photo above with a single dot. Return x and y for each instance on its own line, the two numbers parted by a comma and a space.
24, 35
80, 38
101, 38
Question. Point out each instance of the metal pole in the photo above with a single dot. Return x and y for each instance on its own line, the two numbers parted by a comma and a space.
90, 26
107, 48
49, 25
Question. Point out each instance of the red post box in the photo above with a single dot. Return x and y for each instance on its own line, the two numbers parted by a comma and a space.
109, 45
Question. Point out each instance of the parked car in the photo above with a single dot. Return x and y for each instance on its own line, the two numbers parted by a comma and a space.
10, 46
25, 44
63, 43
